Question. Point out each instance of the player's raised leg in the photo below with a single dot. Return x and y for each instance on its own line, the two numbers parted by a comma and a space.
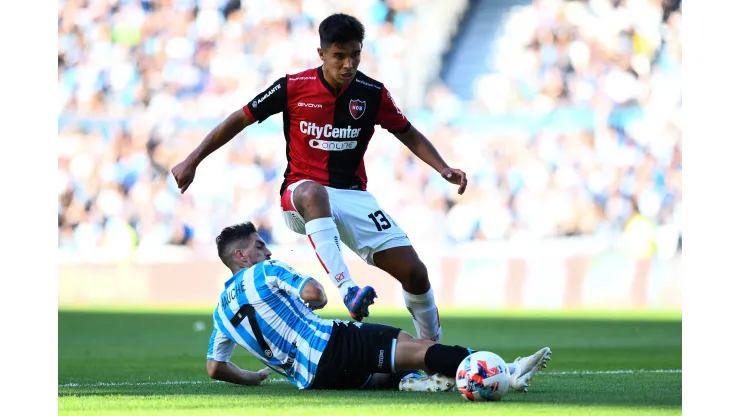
312, 201
405, 266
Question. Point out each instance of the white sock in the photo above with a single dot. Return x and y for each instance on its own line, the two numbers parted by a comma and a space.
425, 315
324, 237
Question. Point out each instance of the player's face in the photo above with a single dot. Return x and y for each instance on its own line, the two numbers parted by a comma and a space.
256, 250
341, 62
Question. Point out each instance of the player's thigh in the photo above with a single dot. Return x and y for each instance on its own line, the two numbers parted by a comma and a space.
375, 346
361, 348
410, 352
364, 226
354, 352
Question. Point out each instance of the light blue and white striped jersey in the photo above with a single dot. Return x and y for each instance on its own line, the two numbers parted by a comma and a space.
261, 310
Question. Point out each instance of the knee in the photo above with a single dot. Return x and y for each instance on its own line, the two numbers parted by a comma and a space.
405, 266
212, 367
416, 278
417, 273
308, 194
404, 336
420, 343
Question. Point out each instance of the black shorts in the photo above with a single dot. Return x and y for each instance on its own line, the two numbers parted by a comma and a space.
353, 354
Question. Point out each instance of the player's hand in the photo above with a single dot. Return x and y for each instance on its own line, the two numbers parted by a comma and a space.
184, 173
457, 177
264, 373
254, 378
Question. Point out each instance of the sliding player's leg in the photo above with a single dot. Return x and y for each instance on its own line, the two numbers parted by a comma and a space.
444, 360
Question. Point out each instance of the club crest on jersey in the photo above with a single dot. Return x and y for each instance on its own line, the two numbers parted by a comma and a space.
357, 108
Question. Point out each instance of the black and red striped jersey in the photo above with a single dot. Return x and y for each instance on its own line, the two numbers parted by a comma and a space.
327, 132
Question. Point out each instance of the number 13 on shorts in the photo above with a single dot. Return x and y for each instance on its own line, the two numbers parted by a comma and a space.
381, 221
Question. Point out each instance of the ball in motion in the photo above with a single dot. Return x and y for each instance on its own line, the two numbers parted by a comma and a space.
483, 376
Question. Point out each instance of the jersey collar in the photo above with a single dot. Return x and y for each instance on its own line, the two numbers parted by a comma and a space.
231, 280
328, 86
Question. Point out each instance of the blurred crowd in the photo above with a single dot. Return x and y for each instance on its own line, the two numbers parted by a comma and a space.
142, 82
576, 128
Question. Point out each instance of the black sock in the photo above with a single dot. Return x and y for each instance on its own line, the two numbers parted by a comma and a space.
445, 359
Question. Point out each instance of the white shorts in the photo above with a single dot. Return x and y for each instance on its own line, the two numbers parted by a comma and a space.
363, 226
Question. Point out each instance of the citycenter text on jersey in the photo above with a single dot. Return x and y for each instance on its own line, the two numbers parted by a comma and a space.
328, 131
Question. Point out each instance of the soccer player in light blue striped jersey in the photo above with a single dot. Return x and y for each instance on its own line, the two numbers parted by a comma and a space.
261, 310
267, 308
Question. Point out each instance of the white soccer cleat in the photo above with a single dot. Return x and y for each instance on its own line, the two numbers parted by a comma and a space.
435, 383
527, 367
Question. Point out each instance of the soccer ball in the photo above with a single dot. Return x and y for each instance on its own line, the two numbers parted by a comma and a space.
483, 376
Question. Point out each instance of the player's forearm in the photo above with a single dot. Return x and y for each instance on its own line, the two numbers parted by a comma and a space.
422, 148
231, 373
220, 135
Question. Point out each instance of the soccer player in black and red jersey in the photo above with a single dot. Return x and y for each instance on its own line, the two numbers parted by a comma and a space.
329, 116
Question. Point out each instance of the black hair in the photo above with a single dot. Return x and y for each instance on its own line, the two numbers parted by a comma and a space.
231, 235
340, 28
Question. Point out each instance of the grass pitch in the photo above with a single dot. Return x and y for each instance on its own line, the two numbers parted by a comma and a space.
152, 362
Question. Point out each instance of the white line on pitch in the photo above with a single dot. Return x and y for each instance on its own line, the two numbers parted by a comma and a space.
588, 373
282, 380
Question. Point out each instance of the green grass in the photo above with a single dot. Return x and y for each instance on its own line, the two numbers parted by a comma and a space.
134, 351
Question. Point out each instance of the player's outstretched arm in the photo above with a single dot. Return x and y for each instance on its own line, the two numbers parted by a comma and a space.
184, 172
425, 150
230, 372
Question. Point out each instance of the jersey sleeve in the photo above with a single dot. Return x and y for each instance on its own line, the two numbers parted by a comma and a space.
271, 101
279, 275
220, 347
390, 117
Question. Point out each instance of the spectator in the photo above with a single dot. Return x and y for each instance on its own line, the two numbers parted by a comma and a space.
580, 122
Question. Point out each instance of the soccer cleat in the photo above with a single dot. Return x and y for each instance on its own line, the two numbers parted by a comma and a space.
527, 367
435, 383
358, 300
